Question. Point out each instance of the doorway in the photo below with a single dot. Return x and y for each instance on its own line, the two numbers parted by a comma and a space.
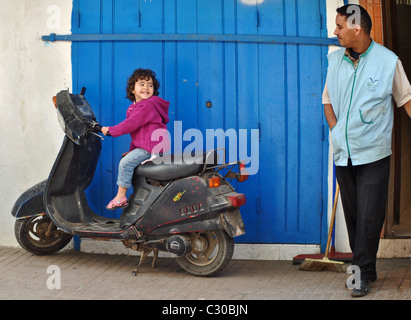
397, 28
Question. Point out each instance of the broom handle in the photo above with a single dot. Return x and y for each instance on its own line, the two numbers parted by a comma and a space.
330, 231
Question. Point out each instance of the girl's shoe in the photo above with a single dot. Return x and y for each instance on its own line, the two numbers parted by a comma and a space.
117, 204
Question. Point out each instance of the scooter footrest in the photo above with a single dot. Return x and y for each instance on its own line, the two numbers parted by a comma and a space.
132, 233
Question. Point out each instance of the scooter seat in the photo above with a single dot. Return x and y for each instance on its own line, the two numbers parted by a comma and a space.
174, 167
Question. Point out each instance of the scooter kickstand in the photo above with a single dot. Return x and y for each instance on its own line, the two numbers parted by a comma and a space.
143, 256
144, 253
155, 255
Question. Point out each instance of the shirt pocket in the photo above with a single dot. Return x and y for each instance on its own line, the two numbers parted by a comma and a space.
368, 115
338, 137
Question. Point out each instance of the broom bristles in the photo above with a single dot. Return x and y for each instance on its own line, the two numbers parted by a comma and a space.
323, 265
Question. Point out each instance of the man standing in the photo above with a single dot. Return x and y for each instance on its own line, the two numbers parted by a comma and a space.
362, 79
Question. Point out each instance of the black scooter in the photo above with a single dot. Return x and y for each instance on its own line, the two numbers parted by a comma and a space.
188, 210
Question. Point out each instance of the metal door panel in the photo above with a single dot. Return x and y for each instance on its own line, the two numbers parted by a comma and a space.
274, 87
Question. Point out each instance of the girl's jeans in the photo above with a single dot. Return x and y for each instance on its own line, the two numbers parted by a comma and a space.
128, 164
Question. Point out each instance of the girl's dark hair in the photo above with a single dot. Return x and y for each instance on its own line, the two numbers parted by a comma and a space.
138, 74
366, 22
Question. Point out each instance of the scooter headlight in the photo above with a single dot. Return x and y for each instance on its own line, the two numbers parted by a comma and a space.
70, 118
60, 117
69, 133
61, 121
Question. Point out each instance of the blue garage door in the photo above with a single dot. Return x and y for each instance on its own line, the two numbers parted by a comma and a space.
259, 64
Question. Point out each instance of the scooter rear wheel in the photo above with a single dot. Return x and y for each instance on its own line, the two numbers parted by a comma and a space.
40, 236
212, 252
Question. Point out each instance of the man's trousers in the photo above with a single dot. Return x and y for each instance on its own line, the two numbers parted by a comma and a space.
364, 192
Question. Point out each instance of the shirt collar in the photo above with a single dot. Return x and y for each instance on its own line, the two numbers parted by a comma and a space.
348, 52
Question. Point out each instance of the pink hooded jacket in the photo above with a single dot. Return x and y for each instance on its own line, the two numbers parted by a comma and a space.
142, 119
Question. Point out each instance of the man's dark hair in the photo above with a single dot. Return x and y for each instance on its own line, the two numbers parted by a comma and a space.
138, 74
366, 23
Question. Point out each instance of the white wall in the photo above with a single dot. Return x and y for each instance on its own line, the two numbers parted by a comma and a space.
31, 72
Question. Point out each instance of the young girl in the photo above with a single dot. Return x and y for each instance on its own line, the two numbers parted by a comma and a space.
147, 113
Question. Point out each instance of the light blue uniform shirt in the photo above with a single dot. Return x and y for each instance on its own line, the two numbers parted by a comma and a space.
362, 102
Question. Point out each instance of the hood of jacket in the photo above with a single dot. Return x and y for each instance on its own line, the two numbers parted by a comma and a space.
161, 106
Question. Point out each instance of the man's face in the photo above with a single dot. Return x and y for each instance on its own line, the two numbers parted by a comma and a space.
344, 33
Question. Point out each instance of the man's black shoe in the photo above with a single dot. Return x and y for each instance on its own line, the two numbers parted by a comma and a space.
363, 290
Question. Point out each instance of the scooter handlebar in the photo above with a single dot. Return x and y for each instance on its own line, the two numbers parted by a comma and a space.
95, 127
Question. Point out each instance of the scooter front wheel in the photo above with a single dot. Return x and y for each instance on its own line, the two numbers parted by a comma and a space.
212, 252
38, 235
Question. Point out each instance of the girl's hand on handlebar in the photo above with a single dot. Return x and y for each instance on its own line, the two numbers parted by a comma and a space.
104, 130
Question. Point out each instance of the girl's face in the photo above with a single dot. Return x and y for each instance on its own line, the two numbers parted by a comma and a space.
143, 89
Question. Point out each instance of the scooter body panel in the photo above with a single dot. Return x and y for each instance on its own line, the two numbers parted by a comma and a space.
189, 205
72, 173
182, 199
143, 196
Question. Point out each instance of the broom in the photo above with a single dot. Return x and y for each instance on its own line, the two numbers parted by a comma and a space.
325, 263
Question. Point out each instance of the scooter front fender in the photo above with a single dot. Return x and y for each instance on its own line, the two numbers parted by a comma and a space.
30, 203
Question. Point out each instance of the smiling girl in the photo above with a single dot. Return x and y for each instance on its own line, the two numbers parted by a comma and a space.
147, 113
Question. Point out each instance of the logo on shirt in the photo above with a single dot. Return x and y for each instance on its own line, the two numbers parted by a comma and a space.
372, 85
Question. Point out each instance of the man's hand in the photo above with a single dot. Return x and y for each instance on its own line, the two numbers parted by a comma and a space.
330, 115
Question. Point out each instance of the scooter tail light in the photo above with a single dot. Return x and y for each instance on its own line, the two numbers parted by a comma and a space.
214, 182
243, 174
237, 200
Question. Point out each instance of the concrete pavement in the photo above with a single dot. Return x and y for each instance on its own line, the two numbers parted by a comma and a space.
88, 276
